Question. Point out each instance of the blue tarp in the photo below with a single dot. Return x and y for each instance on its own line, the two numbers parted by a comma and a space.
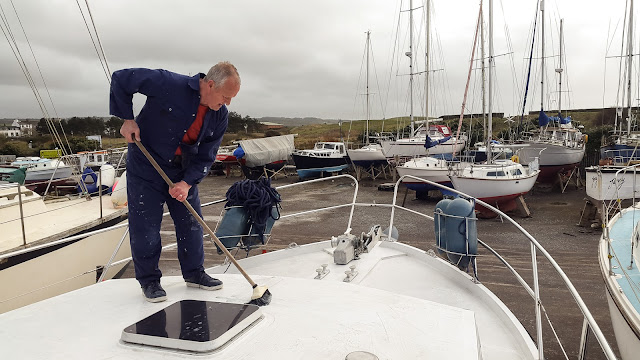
238, 152
543, 119
430, 143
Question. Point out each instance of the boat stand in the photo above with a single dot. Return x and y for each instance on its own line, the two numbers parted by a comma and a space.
573, 176
372, 171
589, 215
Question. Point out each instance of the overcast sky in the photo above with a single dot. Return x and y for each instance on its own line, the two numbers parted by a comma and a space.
305, 58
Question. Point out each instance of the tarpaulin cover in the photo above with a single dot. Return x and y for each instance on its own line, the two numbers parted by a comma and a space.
260, 152
431, 143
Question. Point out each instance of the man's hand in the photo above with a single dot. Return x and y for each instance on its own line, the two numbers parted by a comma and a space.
180, 191
130, 127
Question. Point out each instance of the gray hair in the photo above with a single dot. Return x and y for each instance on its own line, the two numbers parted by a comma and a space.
220, 72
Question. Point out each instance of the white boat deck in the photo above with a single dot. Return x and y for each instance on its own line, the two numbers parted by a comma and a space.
397, 307
46, 221
405, 270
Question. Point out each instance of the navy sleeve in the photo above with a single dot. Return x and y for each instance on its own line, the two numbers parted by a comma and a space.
208, 148
126, 82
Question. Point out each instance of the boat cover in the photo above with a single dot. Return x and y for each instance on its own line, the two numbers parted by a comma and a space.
260, 152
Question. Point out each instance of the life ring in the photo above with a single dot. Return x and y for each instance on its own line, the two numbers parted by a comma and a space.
515, 159
586, 138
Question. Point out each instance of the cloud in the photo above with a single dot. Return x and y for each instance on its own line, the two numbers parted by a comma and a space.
295, 58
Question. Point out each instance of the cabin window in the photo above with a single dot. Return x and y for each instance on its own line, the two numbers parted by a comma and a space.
516, 172
495, 173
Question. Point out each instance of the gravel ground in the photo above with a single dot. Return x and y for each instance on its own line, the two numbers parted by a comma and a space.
553, 222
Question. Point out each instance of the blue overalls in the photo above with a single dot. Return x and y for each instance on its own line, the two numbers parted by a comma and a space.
170, 109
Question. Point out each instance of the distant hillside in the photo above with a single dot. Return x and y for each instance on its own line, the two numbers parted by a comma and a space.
296, 121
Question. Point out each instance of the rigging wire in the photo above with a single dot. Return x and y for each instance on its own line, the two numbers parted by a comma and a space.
95, 30
35, 59
48, 119
21, 62
105, 68
466, 90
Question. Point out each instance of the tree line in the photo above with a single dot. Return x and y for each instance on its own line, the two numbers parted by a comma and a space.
82, 126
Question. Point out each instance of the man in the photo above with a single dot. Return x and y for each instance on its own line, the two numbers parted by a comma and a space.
181, 124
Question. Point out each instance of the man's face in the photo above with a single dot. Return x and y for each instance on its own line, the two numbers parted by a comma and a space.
214, 97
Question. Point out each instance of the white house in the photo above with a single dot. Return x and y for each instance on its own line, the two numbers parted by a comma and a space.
25, 126
10, 131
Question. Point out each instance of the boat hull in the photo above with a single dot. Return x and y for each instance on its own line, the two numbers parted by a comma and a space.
49, 272
367, 157
308, 166
553, 159
603, 185
431, 169
619, 279
409, 148
494, 191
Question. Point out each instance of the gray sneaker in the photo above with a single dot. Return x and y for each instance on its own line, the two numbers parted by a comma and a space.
204, 281
153, 292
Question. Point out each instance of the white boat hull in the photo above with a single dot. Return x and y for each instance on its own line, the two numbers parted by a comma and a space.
494, 189
551, 154
628, 342
37, 175
602, 183
36, 271
428, 168
438, 175
405, 148
56, 272
367, 156
613, 266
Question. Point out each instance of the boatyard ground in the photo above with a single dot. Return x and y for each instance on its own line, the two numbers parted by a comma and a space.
553, 222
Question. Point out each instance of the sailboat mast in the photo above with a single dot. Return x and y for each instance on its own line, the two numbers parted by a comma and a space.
428, 63
559, 71
490, 120
542, 64
629, 65
367, 94
410, 55
484, 100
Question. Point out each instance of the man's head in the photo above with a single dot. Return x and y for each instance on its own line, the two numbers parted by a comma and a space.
219, 86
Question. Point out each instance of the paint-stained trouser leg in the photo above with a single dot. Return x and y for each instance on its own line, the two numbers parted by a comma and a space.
146, 205
188, 234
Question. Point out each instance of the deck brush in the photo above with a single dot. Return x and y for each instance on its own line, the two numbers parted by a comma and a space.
261, 296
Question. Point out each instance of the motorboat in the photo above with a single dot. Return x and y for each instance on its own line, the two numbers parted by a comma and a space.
361, 293
43, 173
325, 157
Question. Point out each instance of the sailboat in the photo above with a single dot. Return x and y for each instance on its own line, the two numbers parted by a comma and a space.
370, 155
619, 248
617, 176
427, 130
558, 144
498, 181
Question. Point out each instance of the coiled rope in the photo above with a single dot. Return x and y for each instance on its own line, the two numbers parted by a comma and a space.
257, 197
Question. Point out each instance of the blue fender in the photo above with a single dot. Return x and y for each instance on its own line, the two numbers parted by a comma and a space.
439, 221
461, 232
